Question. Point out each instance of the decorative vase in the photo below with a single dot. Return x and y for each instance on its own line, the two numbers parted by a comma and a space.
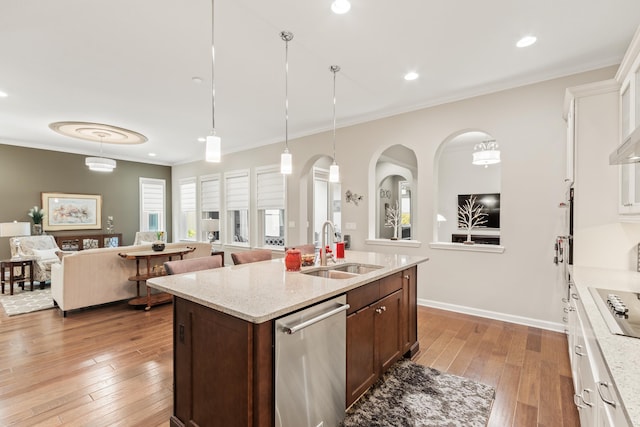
37, 229
158, 246
293, 259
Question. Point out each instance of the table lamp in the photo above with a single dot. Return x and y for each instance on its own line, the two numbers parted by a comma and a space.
15, 229
211, 226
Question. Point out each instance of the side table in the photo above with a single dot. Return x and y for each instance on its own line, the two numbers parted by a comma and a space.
22, 263
141, 276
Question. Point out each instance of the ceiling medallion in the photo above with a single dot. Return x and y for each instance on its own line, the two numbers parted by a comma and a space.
98, 132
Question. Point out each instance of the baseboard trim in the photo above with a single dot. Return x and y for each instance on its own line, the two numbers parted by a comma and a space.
526, 321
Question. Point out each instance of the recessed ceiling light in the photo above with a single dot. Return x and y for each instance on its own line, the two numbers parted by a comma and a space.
202, 139
3, 94
411, 76
526, 41
196, 80
152, 154
340, 6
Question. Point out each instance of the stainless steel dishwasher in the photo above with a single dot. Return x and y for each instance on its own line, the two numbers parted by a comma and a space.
310, 365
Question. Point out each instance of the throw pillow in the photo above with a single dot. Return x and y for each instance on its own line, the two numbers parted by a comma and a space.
144, 242
46, 254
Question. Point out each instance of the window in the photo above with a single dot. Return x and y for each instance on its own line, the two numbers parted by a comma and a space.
152, 204
236, 193
187, 218
270, 184
210, 206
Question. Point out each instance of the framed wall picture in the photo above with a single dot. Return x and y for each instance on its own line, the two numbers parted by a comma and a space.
72, 211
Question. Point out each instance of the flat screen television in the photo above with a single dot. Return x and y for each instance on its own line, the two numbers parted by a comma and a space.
490, 203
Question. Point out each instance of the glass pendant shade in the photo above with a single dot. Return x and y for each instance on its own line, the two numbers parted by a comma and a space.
334, 172
100, 164
212, 152
286, 162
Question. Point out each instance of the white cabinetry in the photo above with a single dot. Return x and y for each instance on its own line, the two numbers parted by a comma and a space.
595, 395
628, 76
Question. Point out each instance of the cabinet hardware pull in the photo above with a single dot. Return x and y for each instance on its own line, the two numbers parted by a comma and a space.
406, 276
576, 401
604, 399
295, 328
578, 350
589, 391
381, 309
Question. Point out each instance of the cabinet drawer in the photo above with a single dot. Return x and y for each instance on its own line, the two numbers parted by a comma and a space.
390, 284
363, 296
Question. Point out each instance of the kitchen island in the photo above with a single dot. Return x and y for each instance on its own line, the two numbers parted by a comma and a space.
224, 331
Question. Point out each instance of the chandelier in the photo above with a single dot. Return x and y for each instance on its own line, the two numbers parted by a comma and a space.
486, 153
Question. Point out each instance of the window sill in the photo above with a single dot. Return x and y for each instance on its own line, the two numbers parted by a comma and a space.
496, 249
237, 245
389, 242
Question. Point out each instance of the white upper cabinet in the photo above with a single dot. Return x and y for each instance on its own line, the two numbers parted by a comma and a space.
628, 76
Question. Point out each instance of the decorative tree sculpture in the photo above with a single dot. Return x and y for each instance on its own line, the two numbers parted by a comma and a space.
470, 216
393, 219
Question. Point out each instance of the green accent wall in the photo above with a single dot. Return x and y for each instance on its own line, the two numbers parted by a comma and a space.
27, 172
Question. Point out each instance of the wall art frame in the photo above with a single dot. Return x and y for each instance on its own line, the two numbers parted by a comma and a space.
65, 211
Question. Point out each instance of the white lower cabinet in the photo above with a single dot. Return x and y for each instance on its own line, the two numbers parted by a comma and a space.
595, 395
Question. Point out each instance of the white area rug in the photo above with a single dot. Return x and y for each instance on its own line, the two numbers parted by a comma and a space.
26, 301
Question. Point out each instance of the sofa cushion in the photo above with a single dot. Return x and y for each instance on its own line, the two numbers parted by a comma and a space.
46, 254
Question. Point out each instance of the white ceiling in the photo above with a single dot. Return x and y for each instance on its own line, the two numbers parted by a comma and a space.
130, 63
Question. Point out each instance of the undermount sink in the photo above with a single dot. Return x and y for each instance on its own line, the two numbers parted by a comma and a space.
342, 271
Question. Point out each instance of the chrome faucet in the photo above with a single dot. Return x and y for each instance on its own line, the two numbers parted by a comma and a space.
323, 253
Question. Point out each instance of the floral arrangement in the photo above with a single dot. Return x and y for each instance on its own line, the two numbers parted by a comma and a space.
36, 214
160, 235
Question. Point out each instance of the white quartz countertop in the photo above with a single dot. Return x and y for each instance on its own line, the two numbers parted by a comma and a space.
621, 354
261, 291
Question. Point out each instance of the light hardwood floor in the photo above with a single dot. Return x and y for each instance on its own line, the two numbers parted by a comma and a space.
113, 366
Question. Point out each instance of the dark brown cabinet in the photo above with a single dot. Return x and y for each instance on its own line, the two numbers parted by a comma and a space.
381, 327
223, 369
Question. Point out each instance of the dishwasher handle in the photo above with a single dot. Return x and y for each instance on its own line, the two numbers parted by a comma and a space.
295, 328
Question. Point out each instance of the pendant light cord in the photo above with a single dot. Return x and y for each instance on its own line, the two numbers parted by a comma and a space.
213, 64
287, 37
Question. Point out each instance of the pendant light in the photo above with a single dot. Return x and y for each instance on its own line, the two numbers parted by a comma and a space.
334, 169
286, 160
214, 143
486, 153
100, 164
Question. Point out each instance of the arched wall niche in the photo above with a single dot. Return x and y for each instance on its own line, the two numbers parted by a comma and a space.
455, 176
313, 181
394, 172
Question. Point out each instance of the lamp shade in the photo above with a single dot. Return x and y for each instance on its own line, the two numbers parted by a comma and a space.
15, 228
211, 225
212, 153
100, 164
286, 163
486, 157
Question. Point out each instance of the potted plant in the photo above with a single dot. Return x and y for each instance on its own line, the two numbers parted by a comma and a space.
37, 215
158, 245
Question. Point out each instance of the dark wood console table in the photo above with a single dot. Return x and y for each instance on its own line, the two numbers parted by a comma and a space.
156, 299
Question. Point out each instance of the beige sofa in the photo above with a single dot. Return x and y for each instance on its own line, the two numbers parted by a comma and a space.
98, 276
